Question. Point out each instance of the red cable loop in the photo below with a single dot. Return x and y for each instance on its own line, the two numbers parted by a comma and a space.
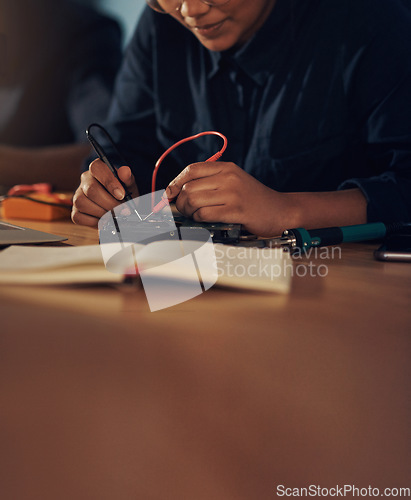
215, 156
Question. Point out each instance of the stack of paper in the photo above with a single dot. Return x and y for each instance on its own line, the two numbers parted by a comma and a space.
239, 267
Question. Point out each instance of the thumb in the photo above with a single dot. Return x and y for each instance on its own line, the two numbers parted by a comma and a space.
128, 179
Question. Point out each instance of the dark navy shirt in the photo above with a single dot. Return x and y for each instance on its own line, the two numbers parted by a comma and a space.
319, 99
58, 75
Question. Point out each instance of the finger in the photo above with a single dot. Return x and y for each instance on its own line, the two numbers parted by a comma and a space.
210, 183
194, 193
100, 171
221, 213
96, 192
191, 172
128, 179
191, 199
83, 219
87, 206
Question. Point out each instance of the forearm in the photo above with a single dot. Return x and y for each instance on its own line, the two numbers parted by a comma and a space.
223, 192
59, 165
324, 209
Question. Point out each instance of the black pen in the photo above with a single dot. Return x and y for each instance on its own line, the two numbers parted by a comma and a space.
103, 157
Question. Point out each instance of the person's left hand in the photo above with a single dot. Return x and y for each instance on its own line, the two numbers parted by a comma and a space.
223, 192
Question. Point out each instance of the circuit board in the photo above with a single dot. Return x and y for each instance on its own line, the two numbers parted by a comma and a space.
165, 226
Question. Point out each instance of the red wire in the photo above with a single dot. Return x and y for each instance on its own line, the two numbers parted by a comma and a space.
215, 156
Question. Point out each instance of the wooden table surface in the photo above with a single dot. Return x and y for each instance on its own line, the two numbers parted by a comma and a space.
226, 396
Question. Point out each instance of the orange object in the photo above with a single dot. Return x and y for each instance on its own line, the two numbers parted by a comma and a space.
23, 208
19, 189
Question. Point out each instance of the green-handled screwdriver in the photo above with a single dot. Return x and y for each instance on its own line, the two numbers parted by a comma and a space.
304, 239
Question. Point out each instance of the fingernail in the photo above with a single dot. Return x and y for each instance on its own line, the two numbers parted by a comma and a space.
168, 192
119, 194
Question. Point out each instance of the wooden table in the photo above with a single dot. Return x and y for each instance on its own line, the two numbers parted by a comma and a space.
226, 396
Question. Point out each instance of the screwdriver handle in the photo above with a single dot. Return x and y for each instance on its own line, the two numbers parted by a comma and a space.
305, 239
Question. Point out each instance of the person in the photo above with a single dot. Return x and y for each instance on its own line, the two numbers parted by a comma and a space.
313, 96
59, 61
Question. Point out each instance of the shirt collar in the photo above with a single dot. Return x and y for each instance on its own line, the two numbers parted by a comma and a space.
262, 47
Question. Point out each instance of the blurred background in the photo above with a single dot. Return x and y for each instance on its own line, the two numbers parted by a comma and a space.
58, 63
126, 12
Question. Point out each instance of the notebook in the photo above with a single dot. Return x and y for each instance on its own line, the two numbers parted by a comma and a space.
265, 270
11, 234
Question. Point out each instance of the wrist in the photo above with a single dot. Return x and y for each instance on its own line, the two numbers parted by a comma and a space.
280, 211
293, 211
323, 209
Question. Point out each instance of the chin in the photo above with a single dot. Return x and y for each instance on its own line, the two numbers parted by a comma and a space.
217, 44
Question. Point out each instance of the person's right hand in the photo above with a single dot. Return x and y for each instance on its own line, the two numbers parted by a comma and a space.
99, 192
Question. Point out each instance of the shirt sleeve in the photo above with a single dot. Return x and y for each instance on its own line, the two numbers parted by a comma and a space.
378, 83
